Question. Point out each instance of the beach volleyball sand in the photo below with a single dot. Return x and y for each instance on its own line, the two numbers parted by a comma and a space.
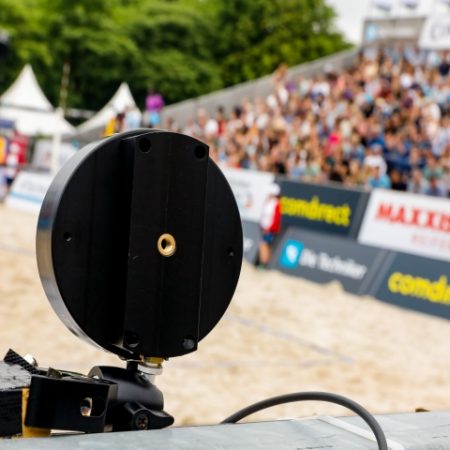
281, 334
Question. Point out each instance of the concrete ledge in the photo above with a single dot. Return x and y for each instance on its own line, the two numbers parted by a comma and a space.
420, 431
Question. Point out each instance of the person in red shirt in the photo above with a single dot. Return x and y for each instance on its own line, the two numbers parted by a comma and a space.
270, 224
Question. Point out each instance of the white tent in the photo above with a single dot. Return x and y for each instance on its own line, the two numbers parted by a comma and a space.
120, 101
25, 104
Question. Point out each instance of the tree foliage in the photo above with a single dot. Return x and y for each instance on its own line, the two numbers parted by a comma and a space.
258, 35
182, 48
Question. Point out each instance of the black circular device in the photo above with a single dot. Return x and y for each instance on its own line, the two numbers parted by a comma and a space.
139, 244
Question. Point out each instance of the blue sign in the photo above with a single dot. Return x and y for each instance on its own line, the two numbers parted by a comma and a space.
324, 258
371, 32
290, 255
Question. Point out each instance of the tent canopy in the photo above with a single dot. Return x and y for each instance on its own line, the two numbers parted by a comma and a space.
25, 92
120, 101
26, 105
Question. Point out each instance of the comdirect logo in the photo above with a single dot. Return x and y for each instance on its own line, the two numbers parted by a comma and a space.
290, 255
317, 210
407, 285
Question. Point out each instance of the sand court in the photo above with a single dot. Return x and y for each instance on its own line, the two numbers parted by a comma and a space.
281, 334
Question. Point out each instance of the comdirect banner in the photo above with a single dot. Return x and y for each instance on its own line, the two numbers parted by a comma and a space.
321, 258
416, 283
327, 209
250, 189
409, 223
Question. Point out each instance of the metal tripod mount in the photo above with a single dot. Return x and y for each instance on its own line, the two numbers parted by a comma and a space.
138, 404
139, 249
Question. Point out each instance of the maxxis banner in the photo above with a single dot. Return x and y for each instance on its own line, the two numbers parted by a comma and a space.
409, 223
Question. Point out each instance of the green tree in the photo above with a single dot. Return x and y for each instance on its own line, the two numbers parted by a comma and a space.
149, 43
258, 35
182, 48
85, 35
174, 52
23, 22
48, 33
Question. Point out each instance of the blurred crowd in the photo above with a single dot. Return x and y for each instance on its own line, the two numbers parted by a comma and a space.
383, 123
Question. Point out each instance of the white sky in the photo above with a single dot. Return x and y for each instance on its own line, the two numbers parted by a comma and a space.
351, 14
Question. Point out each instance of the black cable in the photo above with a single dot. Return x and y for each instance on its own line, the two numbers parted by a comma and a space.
316, 396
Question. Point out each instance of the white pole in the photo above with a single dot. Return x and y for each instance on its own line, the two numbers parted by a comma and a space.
56, 142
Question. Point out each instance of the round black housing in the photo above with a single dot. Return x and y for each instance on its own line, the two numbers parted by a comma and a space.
139, 244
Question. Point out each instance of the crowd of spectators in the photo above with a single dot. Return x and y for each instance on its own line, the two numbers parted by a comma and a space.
383, 123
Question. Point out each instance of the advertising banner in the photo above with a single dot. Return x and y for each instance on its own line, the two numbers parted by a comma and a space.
409, 223
327, 209
42, 155
250, 189
28, 191
321, 258
436, 33
388, 29
414, 282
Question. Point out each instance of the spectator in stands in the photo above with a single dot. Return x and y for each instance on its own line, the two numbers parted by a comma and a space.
383, 123
115, 124
132, 118
378, 179
374, 158
417, 184
434, 188
397, 180
153, 105
432, 168
357, 175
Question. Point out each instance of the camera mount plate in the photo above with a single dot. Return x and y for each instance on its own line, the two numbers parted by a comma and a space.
139, 244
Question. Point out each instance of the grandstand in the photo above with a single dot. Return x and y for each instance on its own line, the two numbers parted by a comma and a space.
380, 121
